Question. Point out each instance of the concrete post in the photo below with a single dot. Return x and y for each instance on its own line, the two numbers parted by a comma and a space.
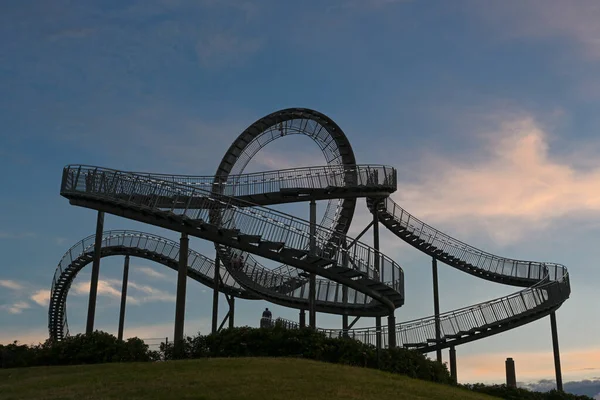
123, 297
453, 374
511, 377
95, 273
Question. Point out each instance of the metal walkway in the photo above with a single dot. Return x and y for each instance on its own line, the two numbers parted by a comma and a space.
229, 210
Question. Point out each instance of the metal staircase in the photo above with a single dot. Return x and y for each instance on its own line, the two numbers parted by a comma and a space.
132, 243
250, 228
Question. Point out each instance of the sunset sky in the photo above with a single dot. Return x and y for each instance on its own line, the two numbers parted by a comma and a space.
489, 111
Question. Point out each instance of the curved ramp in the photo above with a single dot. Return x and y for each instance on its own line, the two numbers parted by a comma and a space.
248, 228
133, 243
228, 209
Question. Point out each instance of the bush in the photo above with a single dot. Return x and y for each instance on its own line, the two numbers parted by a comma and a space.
307, 343
98, 347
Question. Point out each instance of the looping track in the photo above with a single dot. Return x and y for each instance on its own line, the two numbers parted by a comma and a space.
229, 209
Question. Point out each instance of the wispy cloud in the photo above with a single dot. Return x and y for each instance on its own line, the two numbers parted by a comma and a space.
513, 184
16, 308
9, 284
152, 294
41, 297
105, 288
151, 273
112, 288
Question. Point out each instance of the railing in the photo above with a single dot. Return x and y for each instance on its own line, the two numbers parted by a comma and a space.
144, 192
133, 240
318, 177
542, 297
531, 271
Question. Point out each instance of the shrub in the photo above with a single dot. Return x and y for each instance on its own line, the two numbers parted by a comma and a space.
310, 344
98, 347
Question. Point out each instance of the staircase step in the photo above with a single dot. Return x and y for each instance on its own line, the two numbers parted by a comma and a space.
248, 239
294, 253
229, 233
413, 345
441, 340
271, 246
457, 335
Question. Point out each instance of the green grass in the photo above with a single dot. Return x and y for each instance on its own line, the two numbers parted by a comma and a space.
234, 378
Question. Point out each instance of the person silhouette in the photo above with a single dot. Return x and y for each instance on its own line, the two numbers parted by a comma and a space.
266, 320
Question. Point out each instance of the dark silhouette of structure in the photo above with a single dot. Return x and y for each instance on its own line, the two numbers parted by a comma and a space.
323, 270
511, 376
266, 321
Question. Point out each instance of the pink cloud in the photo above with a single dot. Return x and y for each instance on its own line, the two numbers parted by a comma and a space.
513, 184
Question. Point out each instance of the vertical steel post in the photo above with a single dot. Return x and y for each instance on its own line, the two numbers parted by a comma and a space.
453, 374
302, 319
559, 383
511, 376
95, 273
392, 330
436, 307
345, 289
123, 297
216, 279
377, 271
312, 314
345, 316
231, 312
180, 297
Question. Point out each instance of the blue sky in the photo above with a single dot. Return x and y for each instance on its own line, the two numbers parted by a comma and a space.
487, 110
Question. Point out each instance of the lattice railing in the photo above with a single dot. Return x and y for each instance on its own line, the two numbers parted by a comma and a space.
529, 270
144, 192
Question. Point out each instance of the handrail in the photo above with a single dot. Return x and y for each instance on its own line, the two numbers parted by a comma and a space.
70, 264
274, 226
522, 269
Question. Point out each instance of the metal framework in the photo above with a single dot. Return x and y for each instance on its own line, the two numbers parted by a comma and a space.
355, 279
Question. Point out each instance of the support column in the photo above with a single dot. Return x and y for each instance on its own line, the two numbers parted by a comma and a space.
123, 297
344, 316
345, 289
216, 279
511, 377
378, 271
180, 298
312, 292
559, 384
453, 364
231, 311
302, 319
392, 330
95, 273
436, 307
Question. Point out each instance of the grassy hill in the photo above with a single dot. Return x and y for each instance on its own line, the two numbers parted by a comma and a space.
234, 378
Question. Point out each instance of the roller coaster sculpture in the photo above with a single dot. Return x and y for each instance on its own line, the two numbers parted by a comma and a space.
230, 209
